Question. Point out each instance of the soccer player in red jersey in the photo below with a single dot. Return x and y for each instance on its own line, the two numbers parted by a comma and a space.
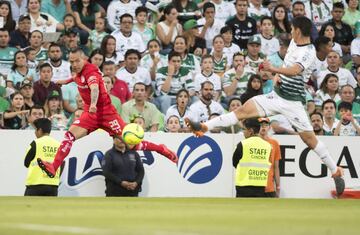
98, 113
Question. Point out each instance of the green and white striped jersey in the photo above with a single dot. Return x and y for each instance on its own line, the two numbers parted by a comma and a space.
7, 59
146, 35
254, 64
179, 81
293, 88
229, 77
220, 65
147, 62
42, 55
191, 62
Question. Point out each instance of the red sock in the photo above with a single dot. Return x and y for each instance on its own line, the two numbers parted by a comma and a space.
63, 150
148, 146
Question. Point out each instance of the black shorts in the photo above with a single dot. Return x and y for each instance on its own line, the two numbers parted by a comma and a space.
41, 190
250, 191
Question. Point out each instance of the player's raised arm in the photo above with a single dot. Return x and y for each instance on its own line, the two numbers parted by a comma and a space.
293, 70
94, 94
65, 81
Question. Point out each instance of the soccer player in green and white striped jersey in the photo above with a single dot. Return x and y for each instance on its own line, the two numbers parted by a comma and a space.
287, 98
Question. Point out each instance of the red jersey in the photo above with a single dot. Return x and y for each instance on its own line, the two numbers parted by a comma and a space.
91, 74
121, 90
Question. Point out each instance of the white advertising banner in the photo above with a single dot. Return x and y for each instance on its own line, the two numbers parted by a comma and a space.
204, 168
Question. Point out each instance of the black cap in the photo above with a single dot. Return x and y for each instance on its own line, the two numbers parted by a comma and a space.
70, 31
24, 17
54, 94
25, 83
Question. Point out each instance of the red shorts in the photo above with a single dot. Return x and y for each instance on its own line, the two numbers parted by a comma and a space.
110, 122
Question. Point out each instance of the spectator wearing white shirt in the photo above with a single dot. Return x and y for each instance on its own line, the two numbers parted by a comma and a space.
207, 74
117, 8
223, 10
355, 46
211, 25
329, 31
153, 60
108, 49
230, 48
168, 28
329, 89
329, 112
125, 38
269, 43
181, 109
206, 106
347, 125
318, 11
344, 75
60, 68
131, 73
323, 47
42, 21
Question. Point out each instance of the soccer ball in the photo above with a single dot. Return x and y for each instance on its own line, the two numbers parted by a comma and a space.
132, 134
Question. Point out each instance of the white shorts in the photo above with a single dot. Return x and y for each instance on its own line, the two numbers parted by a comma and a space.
272, 104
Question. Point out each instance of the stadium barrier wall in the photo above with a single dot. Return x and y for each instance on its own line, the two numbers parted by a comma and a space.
204, 169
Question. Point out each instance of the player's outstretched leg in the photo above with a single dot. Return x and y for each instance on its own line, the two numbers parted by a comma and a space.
62, 152
224, 120
159, 148
323, 153
248, 110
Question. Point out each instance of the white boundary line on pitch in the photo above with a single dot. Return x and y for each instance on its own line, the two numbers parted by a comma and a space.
56, 228
79, 230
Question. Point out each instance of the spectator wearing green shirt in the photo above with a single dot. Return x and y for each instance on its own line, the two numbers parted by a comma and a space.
36, 41
187, 10
171, 79
357, 88
141, 27
7, 53
352, 14
139, 106
85, 13
56, 8
4, 105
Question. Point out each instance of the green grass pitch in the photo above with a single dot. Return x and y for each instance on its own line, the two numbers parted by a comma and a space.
178, 216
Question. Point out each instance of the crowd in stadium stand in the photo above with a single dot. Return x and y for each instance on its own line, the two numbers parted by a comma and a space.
165, 60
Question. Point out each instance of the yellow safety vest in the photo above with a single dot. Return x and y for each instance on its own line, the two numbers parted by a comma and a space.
46, 148
253, 167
